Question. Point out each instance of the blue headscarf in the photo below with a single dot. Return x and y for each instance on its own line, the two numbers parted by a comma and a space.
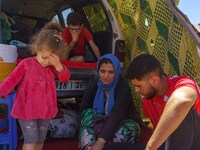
98, 104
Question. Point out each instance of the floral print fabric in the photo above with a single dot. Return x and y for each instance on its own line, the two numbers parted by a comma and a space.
92, 123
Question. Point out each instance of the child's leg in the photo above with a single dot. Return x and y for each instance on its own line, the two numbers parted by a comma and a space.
29, 147
42, 131
30, 133
39, 146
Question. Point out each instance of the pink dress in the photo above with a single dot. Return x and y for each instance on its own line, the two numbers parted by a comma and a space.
36, 92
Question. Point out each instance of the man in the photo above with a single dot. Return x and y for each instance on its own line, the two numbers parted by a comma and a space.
76, 36
172, 104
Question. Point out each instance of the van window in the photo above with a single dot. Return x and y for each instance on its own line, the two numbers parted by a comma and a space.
55, 19
64, 16
96, 17
65, 13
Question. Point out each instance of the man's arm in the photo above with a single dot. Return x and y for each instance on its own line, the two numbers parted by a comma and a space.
176, 109
95, 49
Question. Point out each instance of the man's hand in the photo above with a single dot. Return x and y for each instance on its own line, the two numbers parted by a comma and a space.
99, 145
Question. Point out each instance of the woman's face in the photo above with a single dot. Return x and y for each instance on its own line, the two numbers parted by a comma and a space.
106, 73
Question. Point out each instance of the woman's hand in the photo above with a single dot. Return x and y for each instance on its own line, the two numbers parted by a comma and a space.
99, 145
55, 61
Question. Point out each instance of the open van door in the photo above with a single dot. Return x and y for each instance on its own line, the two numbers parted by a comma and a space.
118, 43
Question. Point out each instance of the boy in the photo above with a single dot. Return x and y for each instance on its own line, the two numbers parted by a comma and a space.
76, 36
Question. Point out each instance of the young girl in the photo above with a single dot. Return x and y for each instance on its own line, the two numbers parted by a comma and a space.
35, 103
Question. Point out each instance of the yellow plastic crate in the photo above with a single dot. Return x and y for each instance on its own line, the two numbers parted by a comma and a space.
6, 69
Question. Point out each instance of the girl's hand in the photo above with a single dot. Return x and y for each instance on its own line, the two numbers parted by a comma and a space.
54, 60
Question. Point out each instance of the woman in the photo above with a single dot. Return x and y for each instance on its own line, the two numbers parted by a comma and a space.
107, 109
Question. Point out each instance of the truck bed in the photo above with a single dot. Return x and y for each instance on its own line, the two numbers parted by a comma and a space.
72, 144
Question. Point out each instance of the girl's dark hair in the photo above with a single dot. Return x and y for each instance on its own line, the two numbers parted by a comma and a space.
49, 36
142, 66
74, 18
104, 61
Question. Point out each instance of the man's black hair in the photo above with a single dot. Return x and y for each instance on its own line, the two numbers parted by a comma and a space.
142, 66
74, 18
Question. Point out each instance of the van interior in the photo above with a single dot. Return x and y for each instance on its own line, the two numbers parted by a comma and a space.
26, 18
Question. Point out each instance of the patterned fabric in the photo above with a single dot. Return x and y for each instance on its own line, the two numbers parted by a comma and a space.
150, 27
64, 125
93, 13
92, 122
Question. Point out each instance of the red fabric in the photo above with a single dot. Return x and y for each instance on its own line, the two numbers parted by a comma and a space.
153, 108
72, 144
80, 46
71, 64
57, 144
36, 93
3, 117
83, 65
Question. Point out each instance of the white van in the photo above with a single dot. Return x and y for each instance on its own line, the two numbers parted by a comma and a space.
27, 17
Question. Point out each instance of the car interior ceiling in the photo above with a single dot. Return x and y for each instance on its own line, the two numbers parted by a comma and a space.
24, 31
39, 7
